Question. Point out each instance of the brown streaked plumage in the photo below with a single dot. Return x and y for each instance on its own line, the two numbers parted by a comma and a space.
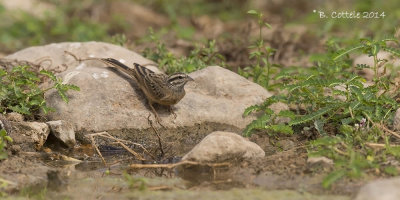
158, 88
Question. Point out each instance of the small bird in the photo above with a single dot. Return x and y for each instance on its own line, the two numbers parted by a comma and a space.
158, 88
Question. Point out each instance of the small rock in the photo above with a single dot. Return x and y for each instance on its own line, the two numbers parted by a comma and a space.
29, 135
15, 149
16, 117
386, 189
320, 161
286, 144
64, 131
224, 146
5, 124
278, 107
396, 120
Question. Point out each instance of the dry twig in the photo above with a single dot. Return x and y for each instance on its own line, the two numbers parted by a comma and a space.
158, 136
120, 142
389, 131
97, 149
378, 145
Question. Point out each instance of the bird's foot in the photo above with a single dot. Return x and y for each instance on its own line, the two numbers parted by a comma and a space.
171, 111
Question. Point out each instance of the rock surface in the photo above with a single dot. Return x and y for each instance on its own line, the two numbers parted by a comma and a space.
387, 189
16, 117
64, 131
30, 136
396, 120
5, 124
224, 146
109, 100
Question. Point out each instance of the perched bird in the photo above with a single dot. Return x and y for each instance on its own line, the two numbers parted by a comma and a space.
158, 88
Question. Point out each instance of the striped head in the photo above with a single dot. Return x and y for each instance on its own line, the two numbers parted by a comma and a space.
178, 80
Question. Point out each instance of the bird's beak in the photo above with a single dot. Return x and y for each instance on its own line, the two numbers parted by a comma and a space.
190, 78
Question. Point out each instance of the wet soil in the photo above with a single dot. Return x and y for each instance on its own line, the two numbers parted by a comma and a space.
283, 173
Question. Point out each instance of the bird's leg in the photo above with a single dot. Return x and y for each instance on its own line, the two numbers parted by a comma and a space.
171, 111
155, 113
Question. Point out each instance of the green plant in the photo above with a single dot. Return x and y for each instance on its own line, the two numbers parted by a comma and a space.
4, 140
198, 58
34, 192
20, 91
135, 183
331, 101
261, 71
3, 184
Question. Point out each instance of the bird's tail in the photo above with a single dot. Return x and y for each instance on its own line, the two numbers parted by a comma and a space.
117, 64
139, 72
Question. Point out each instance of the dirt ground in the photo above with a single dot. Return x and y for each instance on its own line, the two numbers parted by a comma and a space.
283, 172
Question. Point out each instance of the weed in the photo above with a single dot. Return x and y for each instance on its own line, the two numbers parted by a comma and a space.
4, 140
135, 183
36, 192
3, 184
335, 103
20, 91
198, 58
261, 72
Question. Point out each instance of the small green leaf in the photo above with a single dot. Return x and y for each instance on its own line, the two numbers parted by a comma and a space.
311, 116
20, 109
319, 125
362, 66
8, 138
253, 108
259, 123
281, 128
63, 96
391, 170
71, 87
49, 74
252, 12
375, 49
287, 113
393, 51
333, 177
346, 51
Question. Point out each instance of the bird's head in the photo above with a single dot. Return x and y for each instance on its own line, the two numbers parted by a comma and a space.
179, 79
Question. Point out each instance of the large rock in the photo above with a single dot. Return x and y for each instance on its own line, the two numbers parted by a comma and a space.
110, 100
387, 189
224, 146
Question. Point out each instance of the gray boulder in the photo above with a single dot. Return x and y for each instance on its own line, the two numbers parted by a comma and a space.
222, 146
110, 100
